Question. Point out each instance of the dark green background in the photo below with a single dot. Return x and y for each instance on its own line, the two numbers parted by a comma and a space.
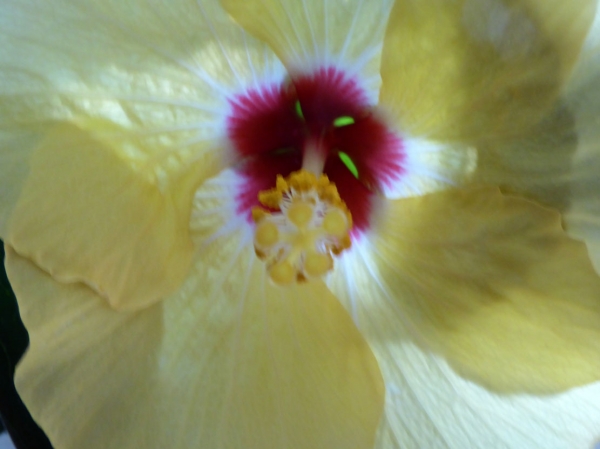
13, 343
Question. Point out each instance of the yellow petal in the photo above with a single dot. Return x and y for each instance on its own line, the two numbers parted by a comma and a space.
85, 215
429, 405
537, 164
479, 69
557, 161
582, 218
13, 170
311, 33
547, 159
158, 76
228, 361
166, 69
490, 282
582, 215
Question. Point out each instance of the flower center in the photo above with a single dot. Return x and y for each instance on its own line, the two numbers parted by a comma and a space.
310, 225
321, 122
301, 134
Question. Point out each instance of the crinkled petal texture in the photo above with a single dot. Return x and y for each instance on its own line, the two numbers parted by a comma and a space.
229, 361
150, 82
489, 281
313, 33
479, 69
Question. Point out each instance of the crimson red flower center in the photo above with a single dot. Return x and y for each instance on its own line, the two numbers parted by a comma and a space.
272, 127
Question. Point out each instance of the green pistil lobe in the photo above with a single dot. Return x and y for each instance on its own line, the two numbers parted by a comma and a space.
349, 163
299, 110
343, 121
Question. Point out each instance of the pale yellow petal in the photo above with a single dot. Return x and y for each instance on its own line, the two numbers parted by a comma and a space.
546, 159
557, 161
582, 216
85, 215
13, 170
429, 405
229, 361
311, 33
537, 164
154, 79
163, 70
479, 69
490, 282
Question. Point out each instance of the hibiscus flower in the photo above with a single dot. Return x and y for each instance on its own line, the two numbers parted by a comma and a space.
303, 224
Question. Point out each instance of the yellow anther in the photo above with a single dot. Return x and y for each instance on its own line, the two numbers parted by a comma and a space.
300, 213
267, 234
282, 273
258, 214
270, 198
311, 225
318, 264
336, 223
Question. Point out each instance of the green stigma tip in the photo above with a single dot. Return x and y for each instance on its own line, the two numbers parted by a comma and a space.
348, 163
299, 110
343, 121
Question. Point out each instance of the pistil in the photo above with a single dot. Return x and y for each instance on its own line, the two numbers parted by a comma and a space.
314, 156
